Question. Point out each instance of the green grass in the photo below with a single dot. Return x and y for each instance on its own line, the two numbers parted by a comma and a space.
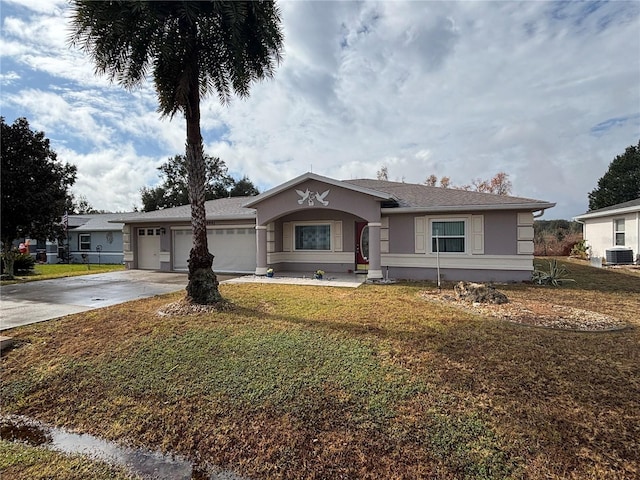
283, 371
22, 462
374, 382
48, 271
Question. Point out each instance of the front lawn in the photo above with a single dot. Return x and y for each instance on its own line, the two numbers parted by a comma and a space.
374, 382
47, 271
37, 463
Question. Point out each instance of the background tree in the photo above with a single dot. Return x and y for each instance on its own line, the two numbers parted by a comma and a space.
243, 188
499, 184
431, 180
81, 206
445, 182
621, 182
174, 189
191, 49
34, 187
383, 173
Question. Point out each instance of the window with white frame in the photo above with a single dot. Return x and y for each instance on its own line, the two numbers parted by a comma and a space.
312, 237
84, 239
448, 236
618, 234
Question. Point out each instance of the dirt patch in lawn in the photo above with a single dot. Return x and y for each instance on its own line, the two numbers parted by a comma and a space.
185, 307
534, 313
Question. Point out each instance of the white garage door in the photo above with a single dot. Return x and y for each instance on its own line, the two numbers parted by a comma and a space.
234, 249
149, 248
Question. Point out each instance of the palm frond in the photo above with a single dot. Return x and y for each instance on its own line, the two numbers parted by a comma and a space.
226, 46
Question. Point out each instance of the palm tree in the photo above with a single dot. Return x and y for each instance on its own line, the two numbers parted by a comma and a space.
191, 48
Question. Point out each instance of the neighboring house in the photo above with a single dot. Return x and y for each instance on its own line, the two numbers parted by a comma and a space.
96, 239
370, 226
91, 238
612, 228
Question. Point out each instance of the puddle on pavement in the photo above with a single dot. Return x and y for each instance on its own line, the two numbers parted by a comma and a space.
145, 463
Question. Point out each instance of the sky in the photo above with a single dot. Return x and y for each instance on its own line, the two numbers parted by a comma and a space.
547, 92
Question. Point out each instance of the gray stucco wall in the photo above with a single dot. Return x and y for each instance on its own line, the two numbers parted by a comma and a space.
454, 275
402, 233
500, 232
341, 199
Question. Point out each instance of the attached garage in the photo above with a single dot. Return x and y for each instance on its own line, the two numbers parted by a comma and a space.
234, 248
148, 248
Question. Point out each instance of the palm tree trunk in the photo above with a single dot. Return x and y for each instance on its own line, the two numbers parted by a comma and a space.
8, 258
203, 284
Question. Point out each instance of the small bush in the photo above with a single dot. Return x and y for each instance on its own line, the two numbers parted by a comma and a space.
20, 264
24, 263
580, 250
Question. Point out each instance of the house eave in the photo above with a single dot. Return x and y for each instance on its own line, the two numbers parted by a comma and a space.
158, 220
116, 226
531, 207
607, 213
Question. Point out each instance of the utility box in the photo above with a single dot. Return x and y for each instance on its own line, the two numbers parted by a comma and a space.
619, 256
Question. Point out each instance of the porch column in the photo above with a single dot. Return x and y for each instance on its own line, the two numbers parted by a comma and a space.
261, 252
375, 270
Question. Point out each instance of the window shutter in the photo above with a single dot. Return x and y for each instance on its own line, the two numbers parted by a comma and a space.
477, 234
420, 234
271, 238
286, 237
337, 236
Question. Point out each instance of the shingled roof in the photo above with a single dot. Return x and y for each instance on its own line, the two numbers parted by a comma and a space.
612, 209
424, 197
394, 196
95, 222
220, 209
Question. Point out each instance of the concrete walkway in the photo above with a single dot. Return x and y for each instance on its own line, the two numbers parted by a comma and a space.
349, 280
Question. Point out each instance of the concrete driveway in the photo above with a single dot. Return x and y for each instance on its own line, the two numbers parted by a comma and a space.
25, 303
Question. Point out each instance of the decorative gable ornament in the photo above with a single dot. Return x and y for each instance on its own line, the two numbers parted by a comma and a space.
312, 197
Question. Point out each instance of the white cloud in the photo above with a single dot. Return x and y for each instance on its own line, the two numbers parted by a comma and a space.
9, 78
547, 92
111, 179
56, 116
54, 7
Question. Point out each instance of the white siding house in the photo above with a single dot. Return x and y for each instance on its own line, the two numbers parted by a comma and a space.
613, 228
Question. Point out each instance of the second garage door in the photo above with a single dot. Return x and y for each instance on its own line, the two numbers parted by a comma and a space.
234, 249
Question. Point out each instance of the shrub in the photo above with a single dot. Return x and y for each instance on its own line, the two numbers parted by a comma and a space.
580, 250
24, 263
549, 245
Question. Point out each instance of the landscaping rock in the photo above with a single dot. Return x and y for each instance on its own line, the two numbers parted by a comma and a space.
479, 293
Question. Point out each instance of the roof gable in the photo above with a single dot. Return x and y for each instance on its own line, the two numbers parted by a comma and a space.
312, 176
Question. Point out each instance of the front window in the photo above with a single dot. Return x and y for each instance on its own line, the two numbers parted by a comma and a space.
313, 237
619, 231
447, 236
85, 241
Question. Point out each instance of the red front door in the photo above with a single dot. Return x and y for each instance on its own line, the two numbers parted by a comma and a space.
362, 246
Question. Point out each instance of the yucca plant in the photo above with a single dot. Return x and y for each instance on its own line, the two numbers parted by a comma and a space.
555, 276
